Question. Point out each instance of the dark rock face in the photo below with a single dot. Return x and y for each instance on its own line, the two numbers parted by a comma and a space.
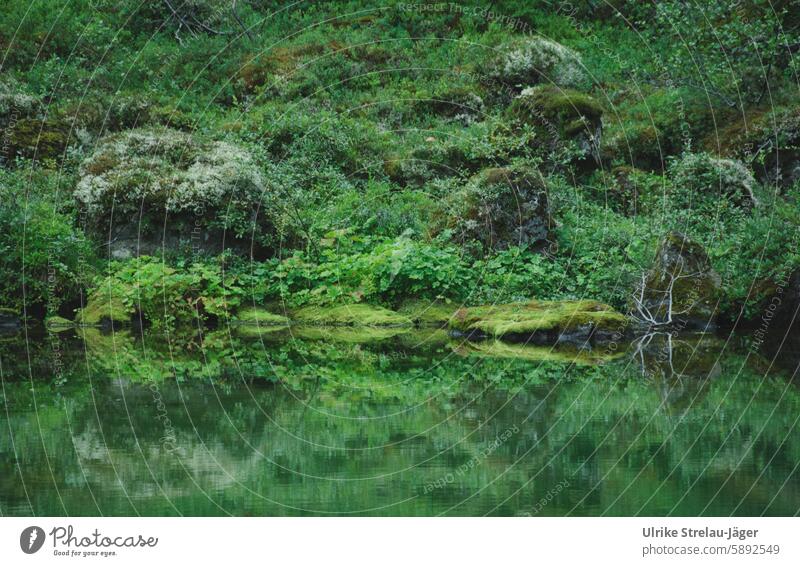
176, 234
681, 288
501, 207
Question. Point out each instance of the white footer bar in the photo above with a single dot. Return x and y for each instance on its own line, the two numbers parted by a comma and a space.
390, 541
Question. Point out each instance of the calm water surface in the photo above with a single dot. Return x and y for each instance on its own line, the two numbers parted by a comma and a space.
333, 421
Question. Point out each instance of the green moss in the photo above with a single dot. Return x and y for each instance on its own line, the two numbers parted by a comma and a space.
428, 312
260, 330
101, 308
349, 334
351, 315
58, 323
259, 316
571, 111
561, 354
537, 316
36, 138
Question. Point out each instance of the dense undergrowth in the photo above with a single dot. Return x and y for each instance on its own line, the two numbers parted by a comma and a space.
362, 152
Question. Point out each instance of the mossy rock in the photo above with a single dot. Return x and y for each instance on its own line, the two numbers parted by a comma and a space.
350, 315
571, 111
101, 310
428, 313
166, 170
560, 115
707, 179
535, 60
170, 190
767, 139
261, 317
58, 323
641, 146
551, 320
562, 353
499, 208
42, 139
458, 102
681, 283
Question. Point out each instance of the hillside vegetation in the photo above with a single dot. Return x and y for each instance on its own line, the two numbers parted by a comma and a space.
198, 158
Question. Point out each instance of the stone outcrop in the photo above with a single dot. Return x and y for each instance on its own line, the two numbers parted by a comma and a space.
560, 115
148, 189
681, 289
535, 60
501, 207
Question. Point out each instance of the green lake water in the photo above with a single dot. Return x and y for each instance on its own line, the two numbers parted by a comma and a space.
333, 421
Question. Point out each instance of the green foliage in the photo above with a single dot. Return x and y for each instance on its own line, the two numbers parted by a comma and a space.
517, 274
44, 259
350, 269
164, 296
711, 185
730, 53
538, 316
334, 149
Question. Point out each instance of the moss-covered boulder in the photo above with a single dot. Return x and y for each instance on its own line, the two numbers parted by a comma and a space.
460, 103
560, 115
545, 322
703, 178
26, 130
499, 208
535, 60
261, 317
642, 146
428, 313
350, 315
158, 187
37, 139
681, 289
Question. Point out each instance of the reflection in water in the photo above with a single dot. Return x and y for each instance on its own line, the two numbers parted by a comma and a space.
409, 423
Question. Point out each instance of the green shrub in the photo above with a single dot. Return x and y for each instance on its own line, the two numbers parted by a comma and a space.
44, 259
708, 183
164, 295
353, 270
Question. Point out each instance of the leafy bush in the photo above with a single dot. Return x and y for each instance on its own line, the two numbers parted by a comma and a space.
704, 181
164, 295
355, 270
44, 259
